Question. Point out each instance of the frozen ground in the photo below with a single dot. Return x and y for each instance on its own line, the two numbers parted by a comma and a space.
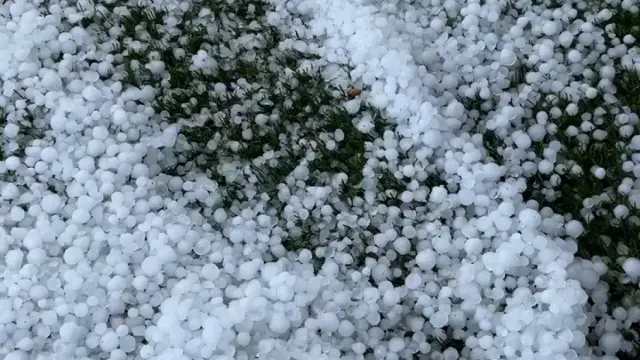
199, 180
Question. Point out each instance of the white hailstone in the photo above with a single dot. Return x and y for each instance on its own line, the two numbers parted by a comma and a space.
529, 218
109, 341
119, 117
72, 255
574, 228
408, 171
13, 259
545, 53
11, 130
635, 142
331, 145
370, 295
5, 242
577, 170
631, 267
12, 163
572, 131
473, 246
413, 281
346, 328
80, 216
10, 191
305, 256
452, 354
599, 134
51, 203
38, 292
328, 322
506, 208
406, 197
466, 197
243, 338
545, 166
16, 355
521, 139
537, 132
169, 136
572, 109
437, 24
17, 214
457, 319
610, 343
151, 266
507, 57
591, 93
95, 148
574, 56
608, 72
391, 154
565, 39
359, 348
432, 138
248, 270
455, 109
438, 194
365, 125
91, 93
621, 211
261, 119
352, 106
219, 216
439, 319
100, 133
396, 344
550, 28
402, 245
25, 344
68, 331
599, 173
155, 66
390, 297
628, 39
426, 259
279, 323
51, 80
147, 352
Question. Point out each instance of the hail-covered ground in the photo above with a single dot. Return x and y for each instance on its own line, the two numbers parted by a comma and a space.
319, 179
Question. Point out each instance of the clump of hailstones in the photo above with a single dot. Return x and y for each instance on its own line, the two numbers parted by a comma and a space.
117, 261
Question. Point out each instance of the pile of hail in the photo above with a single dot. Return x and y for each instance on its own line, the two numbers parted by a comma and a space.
176, 185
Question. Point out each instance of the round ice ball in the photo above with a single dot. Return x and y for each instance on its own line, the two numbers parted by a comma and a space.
51, 203
610, 343
631, 266
529, 218
17, 355
279, 323
426, 259
507, 57
574, 228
